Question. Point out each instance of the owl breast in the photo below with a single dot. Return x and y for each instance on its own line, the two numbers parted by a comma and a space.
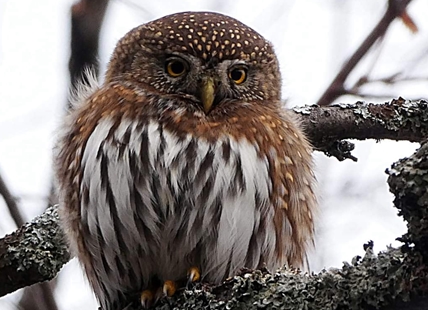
155, 204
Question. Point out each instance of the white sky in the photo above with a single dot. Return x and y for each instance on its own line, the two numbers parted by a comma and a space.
312, 40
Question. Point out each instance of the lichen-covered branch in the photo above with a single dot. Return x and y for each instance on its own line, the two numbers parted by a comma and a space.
408, 181
34, 253
371, 282
399, 119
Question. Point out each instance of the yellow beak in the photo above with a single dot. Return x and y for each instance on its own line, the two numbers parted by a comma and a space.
207, 93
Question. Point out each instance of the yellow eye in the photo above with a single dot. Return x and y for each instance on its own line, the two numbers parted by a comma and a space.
238, 75
176, 67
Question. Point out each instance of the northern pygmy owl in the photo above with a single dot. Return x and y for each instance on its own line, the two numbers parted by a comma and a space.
183, 159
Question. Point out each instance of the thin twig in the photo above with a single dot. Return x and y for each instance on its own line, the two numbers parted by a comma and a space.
337, 86
11, 204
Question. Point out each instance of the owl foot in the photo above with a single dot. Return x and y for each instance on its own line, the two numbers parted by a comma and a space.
150, 297
169, 288
147, 298
193, 275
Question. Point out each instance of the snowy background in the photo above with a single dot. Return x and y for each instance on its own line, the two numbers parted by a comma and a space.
312, 38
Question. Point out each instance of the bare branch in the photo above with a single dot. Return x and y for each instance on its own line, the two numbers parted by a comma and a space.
11, 204
38, 297
86, 20
337, 86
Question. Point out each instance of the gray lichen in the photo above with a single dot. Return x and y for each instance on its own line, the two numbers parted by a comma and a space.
42, 238
305, 109
398, 115
367, 283
411, 114
34, 253
408, 181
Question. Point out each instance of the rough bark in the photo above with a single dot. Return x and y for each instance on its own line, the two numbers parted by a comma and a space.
327, 127
34, 253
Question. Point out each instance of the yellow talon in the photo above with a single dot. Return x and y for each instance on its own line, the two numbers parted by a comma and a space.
150, 297
169, 288
193, 274
146, 298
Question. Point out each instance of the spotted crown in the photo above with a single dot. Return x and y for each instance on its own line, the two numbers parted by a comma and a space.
210, 36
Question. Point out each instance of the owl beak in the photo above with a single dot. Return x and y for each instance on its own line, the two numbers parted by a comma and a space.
207, 93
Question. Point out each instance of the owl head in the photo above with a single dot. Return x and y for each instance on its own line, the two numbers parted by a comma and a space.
207, 59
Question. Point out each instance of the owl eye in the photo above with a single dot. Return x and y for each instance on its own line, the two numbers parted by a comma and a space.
176, 67
238, 75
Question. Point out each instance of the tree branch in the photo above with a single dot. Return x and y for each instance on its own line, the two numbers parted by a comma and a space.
34, 253
371, 282
337, 86
396, 120
86, 21
11, 204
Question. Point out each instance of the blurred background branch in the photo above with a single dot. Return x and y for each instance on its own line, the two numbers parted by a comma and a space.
396, 8
86, 20
11, 204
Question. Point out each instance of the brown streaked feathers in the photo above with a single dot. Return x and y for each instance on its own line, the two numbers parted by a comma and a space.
184, 158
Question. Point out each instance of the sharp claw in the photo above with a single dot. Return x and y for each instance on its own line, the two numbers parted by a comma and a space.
146, 298
193, 275
169, 288
150, 297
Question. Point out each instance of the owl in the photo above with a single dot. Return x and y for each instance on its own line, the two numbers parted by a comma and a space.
183, 165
